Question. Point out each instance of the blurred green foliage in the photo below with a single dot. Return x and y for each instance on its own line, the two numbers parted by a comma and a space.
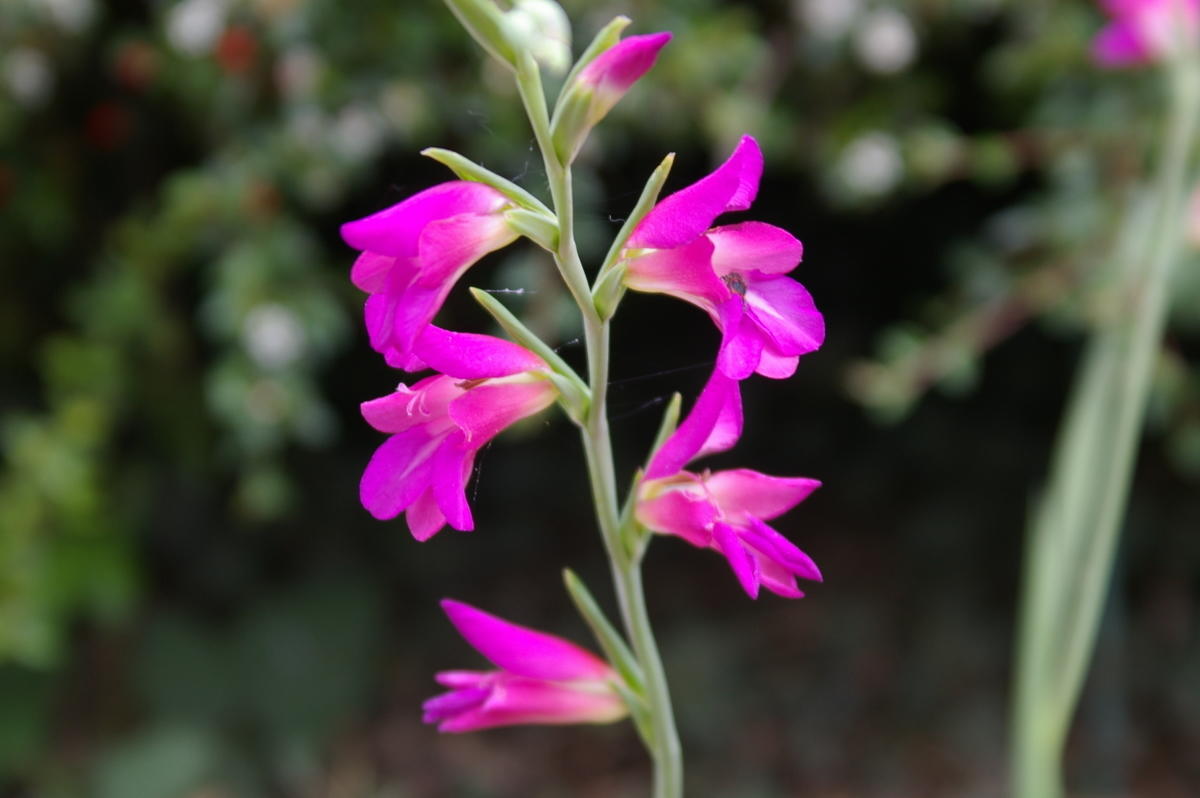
181, 354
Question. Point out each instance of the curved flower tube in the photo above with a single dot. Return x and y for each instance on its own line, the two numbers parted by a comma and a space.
726, 510
542, 679
735, 273
438, 425
414, 252
1142, 31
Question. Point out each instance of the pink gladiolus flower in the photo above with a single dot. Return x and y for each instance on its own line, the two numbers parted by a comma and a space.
735, 273
1142, 31
439, 424
542, 679
414, 252
726, 510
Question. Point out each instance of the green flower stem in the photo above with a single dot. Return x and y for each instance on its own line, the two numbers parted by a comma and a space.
597, 444
1073, 536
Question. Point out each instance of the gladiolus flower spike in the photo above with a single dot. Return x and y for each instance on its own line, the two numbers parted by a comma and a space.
725, 510
438, 425
541, 679
735, 273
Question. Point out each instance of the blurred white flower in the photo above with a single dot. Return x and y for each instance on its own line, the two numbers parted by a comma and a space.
871, 165
273, 336
28, 74
193, 26
828, 19
358, 132
297, 71
885, 41
70, 15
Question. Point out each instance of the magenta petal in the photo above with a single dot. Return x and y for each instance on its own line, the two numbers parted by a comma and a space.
396, 231
469, 356
406, 407
451, 470
778, 580
685, 272
741, 493
713, 425
423, 516
775, 547
680, 512
524, 651
689, 212
398, 472
515, 700
726, 541
742, 341
370, 271
484, 411
448, 247
775, 366
452, 704
785, 310
754, 246
1119, 45
377, 317
620, 66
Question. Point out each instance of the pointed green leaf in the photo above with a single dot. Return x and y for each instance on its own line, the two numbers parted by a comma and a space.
469, 170
525, 337
670, 421
645, 202
485, 22
615, 649
607, 292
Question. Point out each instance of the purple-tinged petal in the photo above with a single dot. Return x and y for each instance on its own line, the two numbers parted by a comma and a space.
778, 580
448, 705
370, 271
726, 541
397, 473
775, 547
485, 410
742, 341
754, 246
713, 425
685, 272
452, 465
616, 69
524, 651
423, 516
515, 700
396, 231
742, 493
470, 356
689, 212
786, 311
